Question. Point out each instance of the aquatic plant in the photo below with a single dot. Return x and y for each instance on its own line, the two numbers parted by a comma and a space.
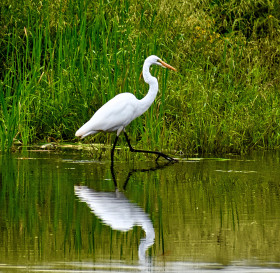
60, 61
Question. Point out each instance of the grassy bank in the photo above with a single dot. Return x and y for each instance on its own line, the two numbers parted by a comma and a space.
61, 60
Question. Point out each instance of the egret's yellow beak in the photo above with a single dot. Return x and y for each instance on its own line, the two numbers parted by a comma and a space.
167, 65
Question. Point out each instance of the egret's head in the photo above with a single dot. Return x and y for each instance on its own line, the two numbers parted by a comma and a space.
150, 61
153, 59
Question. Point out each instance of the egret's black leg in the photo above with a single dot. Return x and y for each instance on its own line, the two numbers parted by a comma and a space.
113, 150
148, 152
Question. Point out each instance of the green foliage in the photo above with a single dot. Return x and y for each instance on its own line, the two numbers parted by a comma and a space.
61, 60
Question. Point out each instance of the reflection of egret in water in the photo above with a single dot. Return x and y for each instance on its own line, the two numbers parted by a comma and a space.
116, 211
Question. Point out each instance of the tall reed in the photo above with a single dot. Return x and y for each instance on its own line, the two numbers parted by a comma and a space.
62, 60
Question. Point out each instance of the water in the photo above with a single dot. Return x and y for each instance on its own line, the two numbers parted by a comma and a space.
64, 212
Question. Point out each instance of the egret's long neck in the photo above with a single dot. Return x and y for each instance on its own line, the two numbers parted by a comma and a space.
146, 102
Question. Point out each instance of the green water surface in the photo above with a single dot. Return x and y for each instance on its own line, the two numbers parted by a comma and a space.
62, 211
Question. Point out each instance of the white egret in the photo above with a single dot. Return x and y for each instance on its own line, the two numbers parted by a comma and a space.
118, 112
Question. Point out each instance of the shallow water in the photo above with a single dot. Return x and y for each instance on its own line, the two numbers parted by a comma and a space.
65, 212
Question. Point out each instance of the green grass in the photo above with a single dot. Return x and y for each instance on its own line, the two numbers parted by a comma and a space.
60, 61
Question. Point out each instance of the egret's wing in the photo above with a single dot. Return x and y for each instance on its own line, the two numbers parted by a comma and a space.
116, 113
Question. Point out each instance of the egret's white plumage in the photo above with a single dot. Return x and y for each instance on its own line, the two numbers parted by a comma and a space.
118, 112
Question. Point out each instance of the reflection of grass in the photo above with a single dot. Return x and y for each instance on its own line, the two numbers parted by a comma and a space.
198, 214
209, 214
62, 60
